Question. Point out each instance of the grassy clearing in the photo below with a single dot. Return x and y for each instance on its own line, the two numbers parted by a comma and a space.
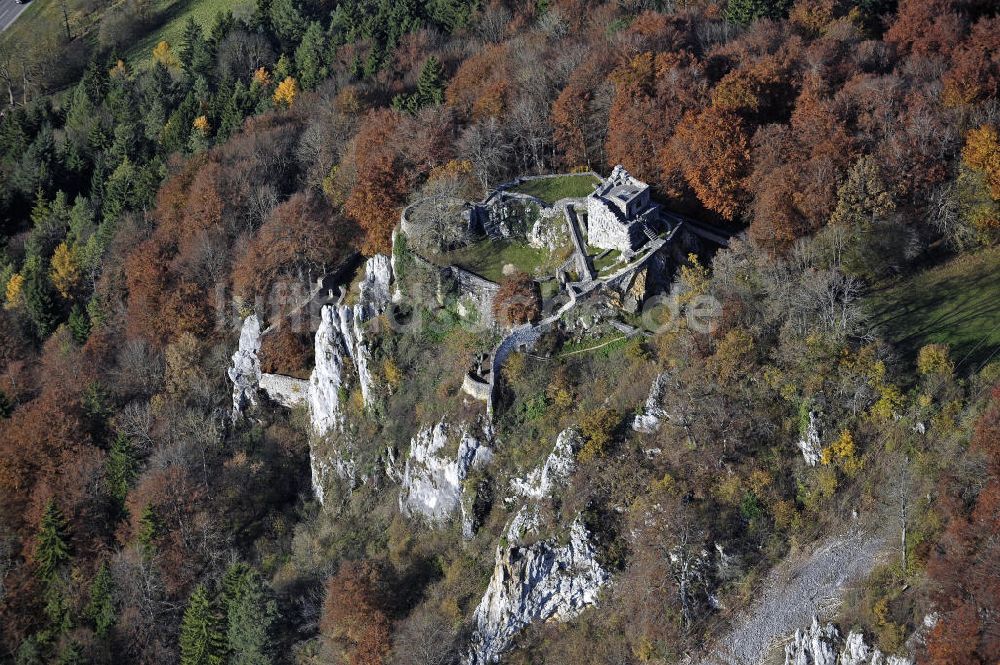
605, 345
551, 190
957, 303
488, 258
608, 261
44, 17
171, 15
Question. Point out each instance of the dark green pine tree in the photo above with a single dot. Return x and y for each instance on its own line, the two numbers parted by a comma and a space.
310, 56
288, 23
405, 103
79, 324
119, 190
251, 614
430, 85
202, 640
71, 654
101, 608
195, 55
373, 63
39, 301
237, 108
149, 531
745, 12
357, 67
51, 546
122, 469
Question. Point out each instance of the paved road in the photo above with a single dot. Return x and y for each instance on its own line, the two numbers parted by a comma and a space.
9, 11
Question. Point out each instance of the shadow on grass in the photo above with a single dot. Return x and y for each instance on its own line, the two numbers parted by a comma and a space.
957, 304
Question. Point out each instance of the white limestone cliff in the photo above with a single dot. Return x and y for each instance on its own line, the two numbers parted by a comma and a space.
822, 645
245, 371
536, 582
810, 443
537, 578
339, 338
433, 480
558, 466
653, 412
341, 335
327, 376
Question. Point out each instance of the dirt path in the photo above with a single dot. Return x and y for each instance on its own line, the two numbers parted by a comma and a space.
809, 583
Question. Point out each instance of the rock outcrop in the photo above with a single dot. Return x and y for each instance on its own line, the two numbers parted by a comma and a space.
549, 231
249, 382
433, 480
340, 340
822, 645
328, 375
810, 443
536, 582
558, 466
245, 371
537, 578
653, 413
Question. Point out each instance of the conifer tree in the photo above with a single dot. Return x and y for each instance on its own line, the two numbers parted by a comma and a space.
310, 56
196, 58
121, 469
201, 640
149, 531
251, 614
101, 610
51, 547
430, 85
37, 296
79, 324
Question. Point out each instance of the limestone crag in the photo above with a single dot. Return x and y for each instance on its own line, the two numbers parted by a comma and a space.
245, 371
433, 480
548, 232
653, 412
328, 374
339, 338
536, 582
558, 466
810, 443
822, 645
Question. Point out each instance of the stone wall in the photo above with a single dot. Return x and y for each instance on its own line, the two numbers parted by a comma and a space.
606, 228
523, 336
475, 290
284, 390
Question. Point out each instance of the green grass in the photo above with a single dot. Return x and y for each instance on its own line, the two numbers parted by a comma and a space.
41, 18
44, 17
604, 345
171, 15
956, 303
551, 190
608, 261
488, 257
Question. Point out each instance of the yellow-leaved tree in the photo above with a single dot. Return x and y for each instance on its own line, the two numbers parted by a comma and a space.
65, 272
163, 54
286, 91
13, 291
261, 77
202, 125
982, 153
